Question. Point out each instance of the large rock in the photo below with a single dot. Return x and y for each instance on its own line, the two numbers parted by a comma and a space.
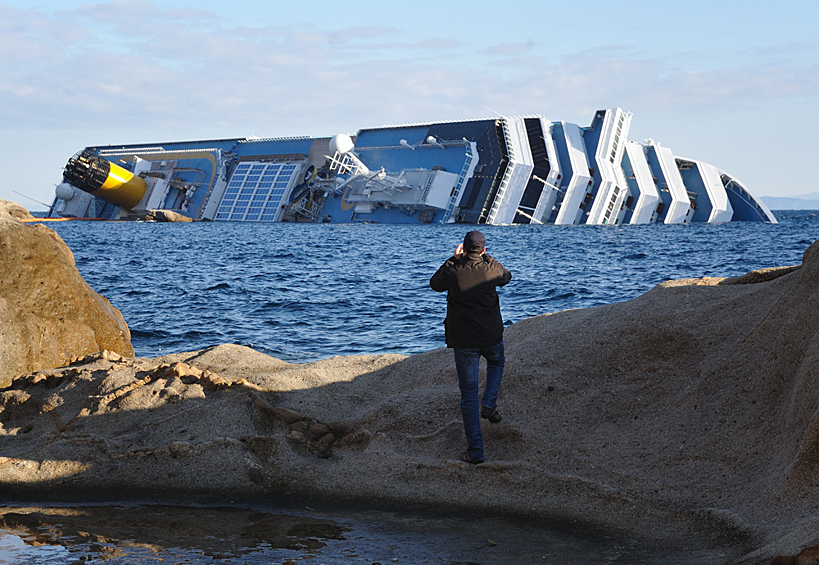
689, 412
10, 209
48, 313
165, 216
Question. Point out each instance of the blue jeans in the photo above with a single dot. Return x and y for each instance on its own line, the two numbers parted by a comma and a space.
466, 363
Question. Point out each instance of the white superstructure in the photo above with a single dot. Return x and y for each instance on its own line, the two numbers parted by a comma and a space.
577, 196
646, 197
516, 176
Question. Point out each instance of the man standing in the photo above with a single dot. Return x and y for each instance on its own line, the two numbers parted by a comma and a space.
474, 328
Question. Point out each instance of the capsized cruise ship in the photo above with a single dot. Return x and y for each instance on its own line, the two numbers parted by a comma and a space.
502, 170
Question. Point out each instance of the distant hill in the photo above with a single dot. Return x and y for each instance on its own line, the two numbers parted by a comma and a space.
808, 201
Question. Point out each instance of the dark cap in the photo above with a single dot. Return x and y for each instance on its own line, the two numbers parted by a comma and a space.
474, 241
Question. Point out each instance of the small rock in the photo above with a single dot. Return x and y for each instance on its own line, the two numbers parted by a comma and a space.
327, 439
256, 475
212, 380
111, 356
296, 437
287, 416
300, 426
317, 430
184, 370
180, 447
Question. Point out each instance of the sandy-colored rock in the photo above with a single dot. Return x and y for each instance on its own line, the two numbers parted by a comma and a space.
10, 209
48, 313
688, 411
165, 216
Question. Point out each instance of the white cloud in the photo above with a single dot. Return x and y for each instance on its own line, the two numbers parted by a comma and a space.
143, 65
127, 69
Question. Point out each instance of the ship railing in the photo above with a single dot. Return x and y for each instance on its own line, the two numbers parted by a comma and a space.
459, 185
310, 212
347, 163
130, 151
137, 151
438, 145
386, 183
507, 177
620, 177
499, 194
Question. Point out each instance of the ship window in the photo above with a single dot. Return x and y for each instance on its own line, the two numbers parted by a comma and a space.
281, 184
265, 184
253, 178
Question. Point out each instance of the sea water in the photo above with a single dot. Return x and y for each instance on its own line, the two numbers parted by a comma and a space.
304, 292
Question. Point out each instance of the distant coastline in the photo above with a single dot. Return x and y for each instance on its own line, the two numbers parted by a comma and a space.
808, 201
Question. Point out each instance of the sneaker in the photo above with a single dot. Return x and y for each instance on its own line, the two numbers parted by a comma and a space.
492, 415
469, 459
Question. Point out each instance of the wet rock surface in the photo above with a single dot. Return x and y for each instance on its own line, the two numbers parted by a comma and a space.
257, 535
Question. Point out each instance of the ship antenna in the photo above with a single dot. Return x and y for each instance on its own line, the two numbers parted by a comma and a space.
493, 111
32, 199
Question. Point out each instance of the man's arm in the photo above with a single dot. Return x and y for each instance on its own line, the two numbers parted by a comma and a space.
502, 275
438, 281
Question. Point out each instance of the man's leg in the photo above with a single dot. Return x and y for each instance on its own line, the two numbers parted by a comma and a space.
466, 364
495, 360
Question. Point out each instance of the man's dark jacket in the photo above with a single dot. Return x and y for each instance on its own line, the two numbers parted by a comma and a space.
473, 317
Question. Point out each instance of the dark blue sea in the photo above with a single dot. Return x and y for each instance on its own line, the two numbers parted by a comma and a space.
305, 292
302, 292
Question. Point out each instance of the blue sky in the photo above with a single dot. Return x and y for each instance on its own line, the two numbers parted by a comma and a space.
732, 83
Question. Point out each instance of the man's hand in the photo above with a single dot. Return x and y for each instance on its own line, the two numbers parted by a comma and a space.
459, 251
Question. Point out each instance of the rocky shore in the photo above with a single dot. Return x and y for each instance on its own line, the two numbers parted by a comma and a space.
690, 410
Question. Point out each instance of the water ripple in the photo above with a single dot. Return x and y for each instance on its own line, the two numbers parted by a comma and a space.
304, 292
